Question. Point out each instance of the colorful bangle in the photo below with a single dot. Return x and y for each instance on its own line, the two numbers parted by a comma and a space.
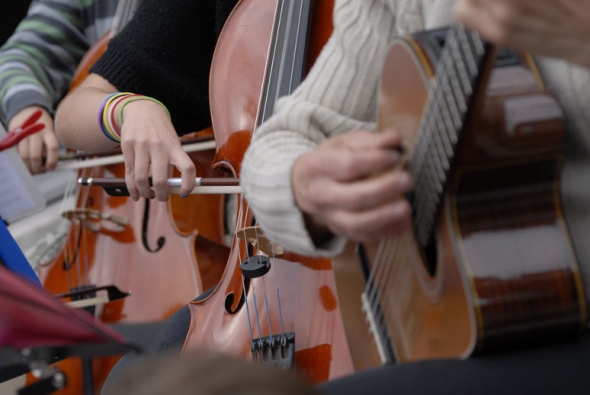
121, 105
103, 119
112, 121
100, 114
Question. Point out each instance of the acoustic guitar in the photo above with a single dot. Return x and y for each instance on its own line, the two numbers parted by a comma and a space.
488, 263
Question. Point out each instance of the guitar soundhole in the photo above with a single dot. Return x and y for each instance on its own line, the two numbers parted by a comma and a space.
429, 256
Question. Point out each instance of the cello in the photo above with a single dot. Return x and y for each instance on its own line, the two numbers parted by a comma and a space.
137, 247
271, 305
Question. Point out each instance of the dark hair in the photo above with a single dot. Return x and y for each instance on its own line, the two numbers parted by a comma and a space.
206, 374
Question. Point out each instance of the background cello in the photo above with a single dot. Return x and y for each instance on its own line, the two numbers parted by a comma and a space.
137, 247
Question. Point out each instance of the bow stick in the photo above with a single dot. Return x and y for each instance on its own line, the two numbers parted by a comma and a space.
211, 185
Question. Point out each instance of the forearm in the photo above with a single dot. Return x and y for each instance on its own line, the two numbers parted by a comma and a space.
316, 111
76, 123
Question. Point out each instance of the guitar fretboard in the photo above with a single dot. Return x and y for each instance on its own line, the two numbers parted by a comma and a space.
457, 77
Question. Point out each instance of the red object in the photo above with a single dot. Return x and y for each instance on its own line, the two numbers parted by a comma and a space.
29, 127
29, 317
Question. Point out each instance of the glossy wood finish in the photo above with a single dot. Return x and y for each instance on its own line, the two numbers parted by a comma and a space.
304, 286
204, 214
321, 28
91, 56
506, 274
308, 306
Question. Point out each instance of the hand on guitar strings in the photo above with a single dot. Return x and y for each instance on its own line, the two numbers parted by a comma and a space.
556, 28
354, 185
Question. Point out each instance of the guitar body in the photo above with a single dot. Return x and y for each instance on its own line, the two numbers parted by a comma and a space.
501, 271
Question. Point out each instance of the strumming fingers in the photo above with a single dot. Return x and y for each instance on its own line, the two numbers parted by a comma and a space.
371, 225
363, 194
349, 165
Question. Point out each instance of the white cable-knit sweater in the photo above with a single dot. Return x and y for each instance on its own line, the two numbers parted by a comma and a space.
340, 95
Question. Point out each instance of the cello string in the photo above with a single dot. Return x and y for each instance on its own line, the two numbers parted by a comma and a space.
273, 57
278, 291
256, 310
237, 241
267, 309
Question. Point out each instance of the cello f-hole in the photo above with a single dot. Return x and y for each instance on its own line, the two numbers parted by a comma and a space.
229, 298
144, 230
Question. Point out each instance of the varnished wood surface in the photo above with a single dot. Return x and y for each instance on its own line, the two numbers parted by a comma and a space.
304, 286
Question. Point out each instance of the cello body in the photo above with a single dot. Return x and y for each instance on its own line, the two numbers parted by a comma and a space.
289, 316
500, 271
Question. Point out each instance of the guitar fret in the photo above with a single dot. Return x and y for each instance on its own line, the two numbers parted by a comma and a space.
478, 43
467, 53
456, 74
456, 108
442, 155
446, 115
438, 164
463, 75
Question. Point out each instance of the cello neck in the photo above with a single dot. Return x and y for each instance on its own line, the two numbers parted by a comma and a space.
287, 53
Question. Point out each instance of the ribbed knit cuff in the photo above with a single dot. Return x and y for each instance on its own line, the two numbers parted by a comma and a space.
22, 100
268, 189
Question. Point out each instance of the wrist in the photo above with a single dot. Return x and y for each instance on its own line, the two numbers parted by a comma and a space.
110, 113
316, 227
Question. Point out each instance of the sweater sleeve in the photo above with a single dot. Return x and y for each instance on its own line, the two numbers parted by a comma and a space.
38, 61
338, 96
165, 52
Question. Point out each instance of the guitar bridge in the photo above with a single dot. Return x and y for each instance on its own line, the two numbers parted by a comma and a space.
276, 350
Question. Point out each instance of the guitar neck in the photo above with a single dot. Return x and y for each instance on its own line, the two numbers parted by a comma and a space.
464, 66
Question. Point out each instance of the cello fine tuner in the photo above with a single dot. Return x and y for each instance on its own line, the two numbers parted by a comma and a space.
255, 236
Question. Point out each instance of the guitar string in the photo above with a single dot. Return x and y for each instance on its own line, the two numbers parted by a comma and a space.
443, 95
391, 245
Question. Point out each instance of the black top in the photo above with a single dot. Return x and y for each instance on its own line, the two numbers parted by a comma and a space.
13, 11
165, 52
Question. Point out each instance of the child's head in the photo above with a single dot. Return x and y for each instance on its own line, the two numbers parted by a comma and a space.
206, 374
